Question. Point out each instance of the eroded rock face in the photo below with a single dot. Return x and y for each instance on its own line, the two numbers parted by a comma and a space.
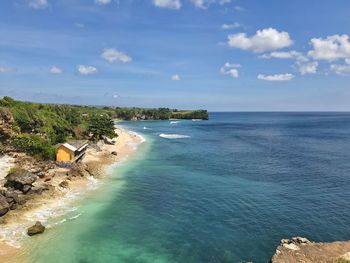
4, 205
6, 122
38, 228
20, 180
299, 249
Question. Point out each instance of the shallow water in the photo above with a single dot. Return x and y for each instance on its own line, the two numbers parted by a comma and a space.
224, 190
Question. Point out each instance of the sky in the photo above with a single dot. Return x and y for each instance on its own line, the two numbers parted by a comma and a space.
220, 55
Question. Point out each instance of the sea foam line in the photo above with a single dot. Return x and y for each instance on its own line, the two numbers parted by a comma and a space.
173, 136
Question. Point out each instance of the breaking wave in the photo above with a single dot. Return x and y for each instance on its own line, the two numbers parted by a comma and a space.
173, 136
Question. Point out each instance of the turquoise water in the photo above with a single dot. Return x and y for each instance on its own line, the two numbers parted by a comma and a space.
227, 193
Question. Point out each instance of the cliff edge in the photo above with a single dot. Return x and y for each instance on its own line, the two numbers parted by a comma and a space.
299, 249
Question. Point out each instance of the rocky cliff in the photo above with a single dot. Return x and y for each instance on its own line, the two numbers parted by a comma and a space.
302, 250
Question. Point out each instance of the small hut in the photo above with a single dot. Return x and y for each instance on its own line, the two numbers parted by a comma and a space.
71, 151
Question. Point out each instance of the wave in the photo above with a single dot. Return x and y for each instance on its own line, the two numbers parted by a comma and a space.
146, 128
196, 119
173, 136
174, 122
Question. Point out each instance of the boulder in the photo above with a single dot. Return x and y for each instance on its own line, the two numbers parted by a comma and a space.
12, 198
64, 184
20, 179
38, 228
4, 205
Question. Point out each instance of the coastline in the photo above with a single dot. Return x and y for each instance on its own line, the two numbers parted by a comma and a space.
58, 200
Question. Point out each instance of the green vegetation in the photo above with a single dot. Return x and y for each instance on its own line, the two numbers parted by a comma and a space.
197, 114
159, 114
36, 128
101, 126
34, 145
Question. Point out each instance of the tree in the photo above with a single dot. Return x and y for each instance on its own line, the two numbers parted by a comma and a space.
100, 126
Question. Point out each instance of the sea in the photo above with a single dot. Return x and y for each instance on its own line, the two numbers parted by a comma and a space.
217, 191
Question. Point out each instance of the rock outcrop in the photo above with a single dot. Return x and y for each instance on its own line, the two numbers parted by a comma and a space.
38, 228
20, 179
6, 123
4, 205
299, 249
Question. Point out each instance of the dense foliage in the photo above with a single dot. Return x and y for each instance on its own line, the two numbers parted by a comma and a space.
34, 145
100, 126
37, 128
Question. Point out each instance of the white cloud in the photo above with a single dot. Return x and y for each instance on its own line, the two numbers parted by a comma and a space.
285, 55
103, 2
86, 70
79, 25
347, 61
340, 69
38, 4
176, 77
204, 4
230, 69
307, 67
113, 55
264, 40
55, 70
277, 77
230, 26
7, 70
171, 4
331, 48
239, 8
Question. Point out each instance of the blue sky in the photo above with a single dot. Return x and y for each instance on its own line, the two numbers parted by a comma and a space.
221, 55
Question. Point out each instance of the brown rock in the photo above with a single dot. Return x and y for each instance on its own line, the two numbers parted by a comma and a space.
38, 228
4, 205
64, 184
20, 179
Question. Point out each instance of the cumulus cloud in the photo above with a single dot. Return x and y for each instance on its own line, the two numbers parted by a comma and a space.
38, 4
113, 55
307, 67
302, 62
103, 2
55, 70
170, 4
331, 48
176, 77
86, 70
230, 26
7, 69
230, 69
277, 77
264, 40
340, 69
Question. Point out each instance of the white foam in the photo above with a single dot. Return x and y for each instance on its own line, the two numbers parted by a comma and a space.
146, 128
173, 136
196, 119
174, 122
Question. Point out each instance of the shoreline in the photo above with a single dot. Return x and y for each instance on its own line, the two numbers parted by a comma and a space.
59, 201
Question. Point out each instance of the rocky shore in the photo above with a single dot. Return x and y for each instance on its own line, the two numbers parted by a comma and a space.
30, 186
302, 250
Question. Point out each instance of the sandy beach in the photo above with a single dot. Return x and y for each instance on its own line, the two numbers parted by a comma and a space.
55, 202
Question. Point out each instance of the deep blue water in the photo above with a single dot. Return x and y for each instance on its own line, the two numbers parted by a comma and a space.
229, 193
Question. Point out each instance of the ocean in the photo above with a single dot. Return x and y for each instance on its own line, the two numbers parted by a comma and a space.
223, 190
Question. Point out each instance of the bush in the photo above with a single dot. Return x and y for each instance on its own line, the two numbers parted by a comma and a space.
101, 126
34, 146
